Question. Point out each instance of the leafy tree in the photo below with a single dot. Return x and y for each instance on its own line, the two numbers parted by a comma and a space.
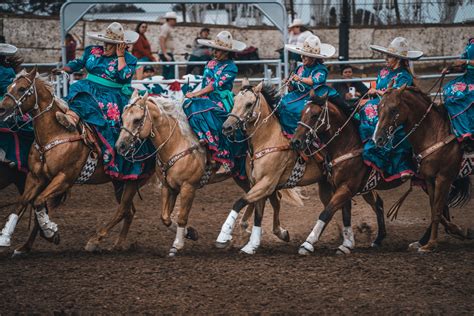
34, 7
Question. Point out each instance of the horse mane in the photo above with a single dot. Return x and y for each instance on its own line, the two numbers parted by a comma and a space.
271, 94
425, 97
170, 108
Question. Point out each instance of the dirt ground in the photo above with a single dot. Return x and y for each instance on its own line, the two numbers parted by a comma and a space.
202, 279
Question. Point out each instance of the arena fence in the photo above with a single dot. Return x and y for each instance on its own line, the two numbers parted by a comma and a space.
275, 77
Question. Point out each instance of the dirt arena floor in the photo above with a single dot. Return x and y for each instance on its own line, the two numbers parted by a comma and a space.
202, 279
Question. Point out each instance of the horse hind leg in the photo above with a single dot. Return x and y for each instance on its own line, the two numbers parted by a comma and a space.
28, 245
280, 232
123, 210
376, 203
255, 238
348, 240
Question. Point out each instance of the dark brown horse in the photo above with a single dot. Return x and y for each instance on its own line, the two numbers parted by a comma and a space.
10, 175
343, 148
55, 164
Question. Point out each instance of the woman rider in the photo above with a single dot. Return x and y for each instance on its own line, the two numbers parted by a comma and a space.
208, 108
312, 74
16, 135
459, 98
396, 162
100, 98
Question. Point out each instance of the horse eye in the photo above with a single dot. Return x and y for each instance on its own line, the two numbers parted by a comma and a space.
136, 121
248, 105
21, 90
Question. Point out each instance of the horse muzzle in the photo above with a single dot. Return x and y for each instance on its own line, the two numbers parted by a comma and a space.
228, 128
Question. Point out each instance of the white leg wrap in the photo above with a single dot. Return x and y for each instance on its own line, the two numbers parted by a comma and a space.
348, 235
7, 231
179, 240
226, 231
254, 241
48, 227
313, 237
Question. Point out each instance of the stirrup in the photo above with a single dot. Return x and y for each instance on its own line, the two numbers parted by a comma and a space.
66, 121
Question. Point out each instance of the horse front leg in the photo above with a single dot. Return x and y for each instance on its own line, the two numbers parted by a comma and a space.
438, 191
28, 245
342, 195
260, 190
33, 187
187, 192
255, 238
280, 232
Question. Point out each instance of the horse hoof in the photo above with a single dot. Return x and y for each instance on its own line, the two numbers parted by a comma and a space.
285, 236
426, 249
92, 247
375, 244
19, 253
173, 252
249, 250
222, 245
306, 249
192, 234
414, 246
343, 250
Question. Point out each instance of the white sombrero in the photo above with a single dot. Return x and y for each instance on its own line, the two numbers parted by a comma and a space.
7, 49
115, 34
398, 48
296, 22
170, 15
224, 41
312, 47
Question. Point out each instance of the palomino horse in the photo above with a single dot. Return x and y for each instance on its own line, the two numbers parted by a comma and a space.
272, 165
55, 163
182, 160
343, 148
437, 153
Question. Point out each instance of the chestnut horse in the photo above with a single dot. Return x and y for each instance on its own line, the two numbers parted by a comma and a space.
55, 164
271, 164
339, 136
183, 163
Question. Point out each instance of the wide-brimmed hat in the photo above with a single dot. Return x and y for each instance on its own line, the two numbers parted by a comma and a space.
312, 47
115, 34
398, 48
224, 41
170, 15
296, 22
7, 49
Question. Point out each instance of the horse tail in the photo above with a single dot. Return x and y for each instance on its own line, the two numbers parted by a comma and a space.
293, 196
460, 192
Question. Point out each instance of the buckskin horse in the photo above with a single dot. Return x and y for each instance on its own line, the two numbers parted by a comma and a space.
273, 165
342, 147
57, 162
182, 160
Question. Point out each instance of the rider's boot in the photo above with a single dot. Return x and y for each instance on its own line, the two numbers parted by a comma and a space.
69, 120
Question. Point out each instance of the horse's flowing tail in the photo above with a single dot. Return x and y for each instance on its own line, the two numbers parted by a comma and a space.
292, 196
460, 192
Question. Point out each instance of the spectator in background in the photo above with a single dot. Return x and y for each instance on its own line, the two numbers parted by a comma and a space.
142, 49
167, 43
350, 91
71, 45
298, 32
199, 53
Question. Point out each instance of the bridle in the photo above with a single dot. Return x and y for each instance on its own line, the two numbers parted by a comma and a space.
20, 101
133, 148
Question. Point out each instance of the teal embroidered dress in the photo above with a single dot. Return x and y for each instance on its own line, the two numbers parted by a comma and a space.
459, 99
293, 103
99, 100
15, 137
207, 114
392, 163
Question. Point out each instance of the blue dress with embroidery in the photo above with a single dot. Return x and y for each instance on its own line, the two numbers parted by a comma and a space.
392, 163
293, 103
101, 106
459, 99
207, 114
15, 142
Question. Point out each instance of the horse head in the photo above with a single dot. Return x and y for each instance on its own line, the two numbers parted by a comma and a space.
311, 120
244, 110
21, 94
392, 112
135, 125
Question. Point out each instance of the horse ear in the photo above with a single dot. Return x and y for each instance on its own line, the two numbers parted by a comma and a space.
259, 87
319, 100
145, 96
245, 82
134, 94
32, 74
